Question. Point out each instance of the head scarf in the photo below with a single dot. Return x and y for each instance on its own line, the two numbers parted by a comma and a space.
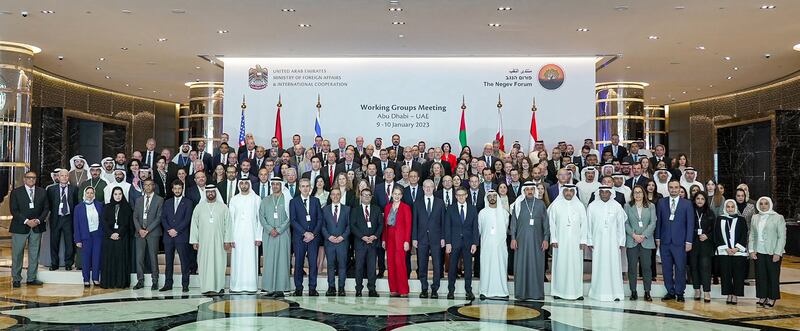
724, 211
517, 205
500, 212
85, 200
768, 212
72, 162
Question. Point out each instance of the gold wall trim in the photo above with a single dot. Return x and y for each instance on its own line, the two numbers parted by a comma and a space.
775, 83
204, 115
19, 124
14, 67
646, 132
81, 85
735, 122
20, 47
621, 142
620, 117
97, 118
15, 164
656, 118
10, 90
619, 99
6, 218
607, 85
204, 84
204, 98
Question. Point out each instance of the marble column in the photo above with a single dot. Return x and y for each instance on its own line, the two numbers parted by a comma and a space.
16, 74
619, 108
183, 123
205, 113
656, 126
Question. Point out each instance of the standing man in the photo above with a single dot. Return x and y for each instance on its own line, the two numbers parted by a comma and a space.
77, 170
674, 227
246, 233
274, 219
62, 199
461, 240
530, 236
147, 222
383, 196
211, 238
618, 152
493, 225
366, 226
427, 236
150, 156
605, 236
567, 217
29, 207
305, 215
176, 217
96, 182
335, 232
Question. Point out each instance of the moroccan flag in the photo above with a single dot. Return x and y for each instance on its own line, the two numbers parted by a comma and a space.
278, 130
462, 130
499, 135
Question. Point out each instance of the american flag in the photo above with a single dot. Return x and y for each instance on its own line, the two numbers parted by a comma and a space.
241, 125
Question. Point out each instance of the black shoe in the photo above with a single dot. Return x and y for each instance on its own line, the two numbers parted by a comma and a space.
53, 267
668, 297
380, 274
341, 293
138, 285
330, 293
221, 291
373, 294
470, 296
450, 296
634, 296
434, 295
185, 289
580, 298
358, 294
616, 300
681, 298
483, 297
16, 284
556, 297
155, 287
165, 288
278, 294
298, 293
423, 295
87, 285
715, 281
68, 268
35, 282
647, 296
313, 293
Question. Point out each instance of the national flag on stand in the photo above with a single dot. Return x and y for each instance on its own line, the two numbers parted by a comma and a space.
317, 127
278, 130
241, 125
499, 135
462, 130
534, 132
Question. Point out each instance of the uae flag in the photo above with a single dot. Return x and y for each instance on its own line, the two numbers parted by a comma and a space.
462, 130
278, 129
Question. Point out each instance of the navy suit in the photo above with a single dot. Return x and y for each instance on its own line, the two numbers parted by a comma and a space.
674, 235
409, 199
381, 199
641, 181
303, 221
336, 252
553, 191
61, 225
427, 230
180, 220
461, 236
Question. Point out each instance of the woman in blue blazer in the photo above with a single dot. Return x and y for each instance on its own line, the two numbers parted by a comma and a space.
88, 235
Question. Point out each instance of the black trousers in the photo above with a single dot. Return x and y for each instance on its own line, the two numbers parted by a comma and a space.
61, 227
365, 263
700, 268
768, 276
381, 259
460, 252
733, 270
425, 251
170, 247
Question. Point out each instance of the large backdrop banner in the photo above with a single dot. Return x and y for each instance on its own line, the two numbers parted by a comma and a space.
417, 98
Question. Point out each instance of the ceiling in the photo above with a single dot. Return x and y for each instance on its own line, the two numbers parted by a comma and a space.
83, 31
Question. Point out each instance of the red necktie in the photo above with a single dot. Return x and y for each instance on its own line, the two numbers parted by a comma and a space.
330, 174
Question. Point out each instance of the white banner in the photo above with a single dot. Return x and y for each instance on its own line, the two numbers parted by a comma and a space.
418, 98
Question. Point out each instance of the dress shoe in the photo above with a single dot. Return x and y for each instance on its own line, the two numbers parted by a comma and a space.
373, 294
681, 298
138, 285
185, 289
298, 293
668, 297
434, 295
86, 285
16, 284
313, 293
155, 287
450, 296
423, 295
470, 296
634, 296
53, 267
68, 268
165, 288
647, 296
358, 294
380, 274
35, 282
221, 291
616, 300
580, 298
341, 293
483, 297
278, 294
330, 293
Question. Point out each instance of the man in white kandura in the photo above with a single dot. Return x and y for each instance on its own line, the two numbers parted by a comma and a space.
605, 237
246, 238
493, 227
211, 238
567, 217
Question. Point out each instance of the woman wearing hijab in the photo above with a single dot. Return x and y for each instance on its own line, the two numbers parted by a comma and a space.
766, 245
702, 247
747, 193
730, 238
117, 222
88, 235
396, 235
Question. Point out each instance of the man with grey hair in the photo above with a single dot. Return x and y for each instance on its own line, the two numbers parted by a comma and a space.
427, 236
62, 199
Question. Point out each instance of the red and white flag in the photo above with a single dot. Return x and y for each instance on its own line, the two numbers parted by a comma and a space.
534, 133
499, 135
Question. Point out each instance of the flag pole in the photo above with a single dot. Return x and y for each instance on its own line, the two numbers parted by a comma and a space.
499, 136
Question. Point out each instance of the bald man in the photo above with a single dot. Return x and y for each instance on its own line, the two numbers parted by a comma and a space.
62, 199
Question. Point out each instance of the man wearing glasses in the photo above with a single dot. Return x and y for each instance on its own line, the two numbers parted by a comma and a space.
29, 210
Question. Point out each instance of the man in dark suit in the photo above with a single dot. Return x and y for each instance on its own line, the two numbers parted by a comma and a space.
366, 225
305, 216
633, 154
263, 188
659, 155
674, 236
291, 182
399, 150
637, 178
229, 187
563, 178
347, 163
428, 238
221, 156
150, 156
461, 239
62, 199
581, 160
383, 196
608, 181
205, 157
447, 193
260, 161
383, 163
330, 169
413, 192
335, 233
618, 152
410, 162
475, 193
147, 226
248, 152
176, 217
29, 207
316, 170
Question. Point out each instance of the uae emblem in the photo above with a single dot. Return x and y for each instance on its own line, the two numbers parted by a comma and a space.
551, 76
258, 77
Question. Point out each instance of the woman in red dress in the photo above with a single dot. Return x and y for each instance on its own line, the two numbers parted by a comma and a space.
396, 238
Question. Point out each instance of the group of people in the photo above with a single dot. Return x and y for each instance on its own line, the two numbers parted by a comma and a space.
361, 210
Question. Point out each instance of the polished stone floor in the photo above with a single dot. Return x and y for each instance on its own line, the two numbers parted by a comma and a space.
67, 307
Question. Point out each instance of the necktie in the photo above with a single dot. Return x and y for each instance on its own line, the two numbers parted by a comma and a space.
64, 206
291, 189
146, 208
429, 206
389, 191
347, 167
250, 155
30, 194
383, 166
366, 213
413, 194
231, 188
336, 214
150, 158
463, 217
635, 157
175, 207
447, 197
474, 198
672, 206
263, 189
259, 162
330, 174
372, 182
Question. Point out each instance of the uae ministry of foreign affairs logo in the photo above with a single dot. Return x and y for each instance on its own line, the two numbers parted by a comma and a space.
258, 77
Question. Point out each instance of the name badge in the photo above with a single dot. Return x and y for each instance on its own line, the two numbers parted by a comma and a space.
369, 225
144, 215
211, 220
308, 218
531, 222
60, 205
672, 217
30, 205
491, 231
699, 231
116, 226
275, 215
641, 225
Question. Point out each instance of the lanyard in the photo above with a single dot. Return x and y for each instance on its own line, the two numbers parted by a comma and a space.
530, 208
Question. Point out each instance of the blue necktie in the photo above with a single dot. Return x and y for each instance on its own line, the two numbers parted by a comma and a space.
463, 218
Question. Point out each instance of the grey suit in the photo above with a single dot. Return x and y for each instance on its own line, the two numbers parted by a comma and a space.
149, 244
640, 253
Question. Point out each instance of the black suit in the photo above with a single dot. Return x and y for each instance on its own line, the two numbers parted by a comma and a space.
633, 159
151, 160
61, 225
21, 234
208, 161
389, 164
618, 197
325, 171
223, 190
579, 161
400, 150
666, 159
427, 232
478, 199
217, 159
365, 254
429, 165
622, 152
552, 170
641, 181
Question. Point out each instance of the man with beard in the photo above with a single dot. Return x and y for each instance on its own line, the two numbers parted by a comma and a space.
77, 170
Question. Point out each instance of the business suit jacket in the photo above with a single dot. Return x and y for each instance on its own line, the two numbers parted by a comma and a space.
180, 219
706, 224
340, 167
380, 194
622, 152
358, 224
223, 190
552, 170
667, 160
428, 228
297, 217
20, 210
54, 198
153, 215
80, 222
207, 160
553, 191
678, 231
739, 234
774, 234
325, 172
642, 181
632, 159
440, 194
648, 228
333, 228
457, 234
218, 159
389, 164
479, 203
411, 200
194, 195
307, 175
400, 150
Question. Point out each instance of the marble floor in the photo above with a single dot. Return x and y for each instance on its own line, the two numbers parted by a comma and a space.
62, 307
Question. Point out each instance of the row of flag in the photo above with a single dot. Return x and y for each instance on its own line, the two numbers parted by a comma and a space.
462, 130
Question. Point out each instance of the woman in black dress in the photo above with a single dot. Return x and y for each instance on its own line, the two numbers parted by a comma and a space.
702, 247
117, 222
730, 237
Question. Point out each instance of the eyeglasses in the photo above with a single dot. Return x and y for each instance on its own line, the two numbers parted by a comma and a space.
30, 177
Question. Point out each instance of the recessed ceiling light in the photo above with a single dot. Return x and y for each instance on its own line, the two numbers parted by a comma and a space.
288, 10
108, 77
621, 8
684, 92
727, 58
701, 48
140, 89
123, 48
582, 29
124, 11
211, 61
127, 85
398, 23
735, 68
400, 36
729, 77
627, 67
197, 67
178, 11
303, 25
503, 8
796, 47
222, 31
395, 9
711, 85
161, 40
102, 59
767, 7
680, 7
97, 68
47, 12
394, 2
494, 25
154, 91
652, 37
